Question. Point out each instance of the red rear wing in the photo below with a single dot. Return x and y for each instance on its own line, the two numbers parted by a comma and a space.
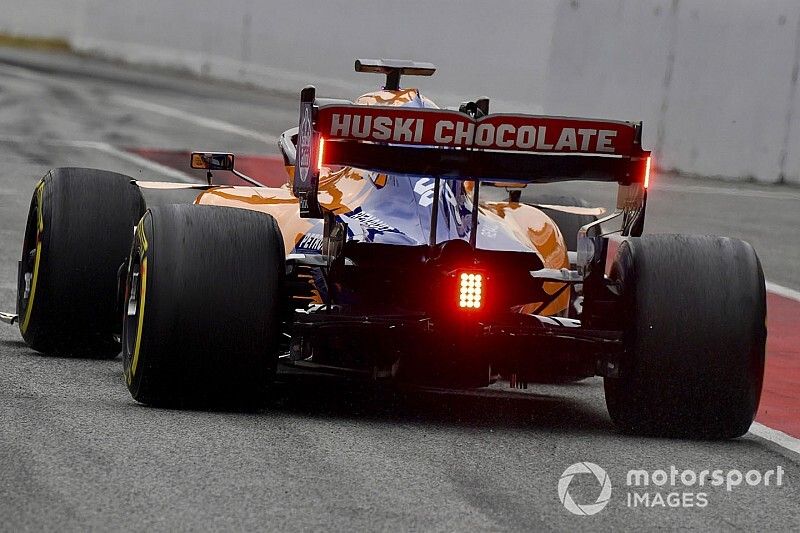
452, 129
452, 144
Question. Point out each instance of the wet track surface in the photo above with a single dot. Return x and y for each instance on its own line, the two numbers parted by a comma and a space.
76, 452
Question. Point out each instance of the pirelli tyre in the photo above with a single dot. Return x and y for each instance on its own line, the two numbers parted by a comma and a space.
568, 223
204, 297
78, 234
693, 313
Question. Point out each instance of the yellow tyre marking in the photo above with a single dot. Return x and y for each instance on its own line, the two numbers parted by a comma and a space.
23, 327
142, 294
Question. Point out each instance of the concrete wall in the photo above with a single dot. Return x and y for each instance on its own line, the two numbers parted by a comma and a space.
41, 18
713, 80
288, 44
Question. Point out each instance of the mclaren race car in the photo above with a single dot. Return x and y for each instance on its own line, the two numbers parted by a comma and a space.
379, 258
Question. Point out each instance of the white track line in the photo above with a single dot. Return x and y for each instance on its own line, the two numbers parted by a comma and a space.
172, 112
142, 162
777, 437
205, 122
786, 292
109, 149
773, 435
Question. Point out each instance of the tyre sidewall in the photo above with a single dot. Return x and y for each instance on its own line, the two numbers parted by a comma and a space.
694, 338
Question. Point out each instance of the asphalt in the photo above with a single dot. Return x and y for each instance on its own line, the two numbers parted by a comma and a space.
77, 453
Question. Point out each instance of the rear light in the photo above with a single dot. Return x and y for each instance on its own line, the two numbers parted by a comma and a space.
320, 150
647, 173
471, 290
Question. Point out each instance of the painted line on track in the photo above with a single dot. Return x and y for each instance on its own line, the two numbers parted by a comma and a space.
144, 105
780, 290
778, 410
141, 161
205, 122
777, 437
106, 148
266, 169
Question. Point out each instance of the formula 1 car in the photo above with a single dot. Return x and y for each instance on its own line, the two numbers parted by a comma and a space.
379, 258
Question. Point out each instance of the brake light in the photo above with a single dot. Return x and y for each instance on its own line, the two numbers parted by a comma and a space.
647, 173
320, 150
470, 290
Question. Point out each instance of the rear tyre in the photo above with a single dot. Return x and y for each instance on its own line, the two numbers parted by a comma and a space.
79, 232
204, 297
694, 310
568, 223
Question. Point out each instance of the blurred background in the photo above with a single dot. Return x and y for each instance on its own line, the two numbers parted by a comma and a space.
715, 81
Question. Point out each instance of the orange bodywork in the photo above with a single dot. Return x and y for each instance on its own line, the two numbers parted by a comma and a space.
344, 190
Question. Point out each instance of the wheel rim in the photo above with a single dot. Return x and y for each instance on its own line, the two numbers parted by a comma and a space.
31, 249
135, 287
133, 290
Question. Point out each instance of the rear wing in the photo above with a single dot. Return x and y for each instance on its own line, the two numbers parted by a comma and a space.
454, 144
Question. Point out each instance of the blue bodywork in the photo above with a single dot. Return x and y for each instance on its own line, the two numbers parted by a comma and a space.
398, 211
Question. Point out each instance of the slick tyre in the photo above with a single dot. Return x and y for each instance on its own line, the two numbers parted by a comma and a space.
204, 300
694, 333
568, 223
78, 234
